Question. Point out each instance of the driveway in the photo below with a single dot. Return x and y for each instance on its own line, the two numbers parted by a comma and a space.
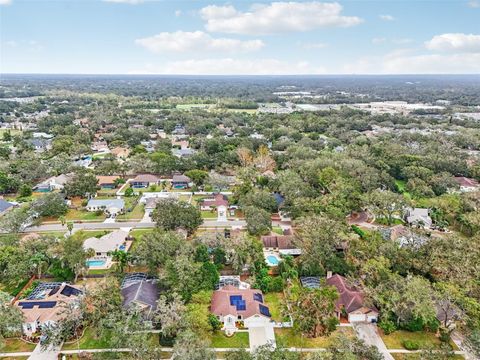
261, 335
51, 353
369, 334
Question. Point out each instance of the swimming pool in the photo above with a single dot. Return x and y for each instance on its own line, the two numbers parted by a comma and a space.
91, 263
272, 260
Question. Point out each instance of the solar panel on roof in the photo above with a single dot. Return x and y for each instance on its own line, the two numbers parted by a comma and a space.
40, 304
258, 297
69, 291
26, 305
47, 304
241, 305
311, 282
264, 310
234, 299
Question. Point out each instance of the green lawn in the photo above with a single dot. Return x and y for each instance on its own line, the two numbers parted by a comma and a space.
136, 214
288, 337
274, 301
398, 356
209, 214
424, 339
83, 215
239, 340
13, 289
89, 340
85, 234
138, 233
16, 345
277, 230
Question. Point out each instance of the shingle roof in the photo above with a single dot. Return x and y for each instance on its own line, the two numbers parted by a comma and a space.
350, 298
221, 302
4, 205
107, 203
106, 243
145, 292
146, 178
466, 182
218, 200
181, 178
278, 241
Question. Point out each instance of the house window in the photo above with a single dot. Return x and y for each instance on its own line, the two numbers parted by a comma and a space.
98, 254
239, 317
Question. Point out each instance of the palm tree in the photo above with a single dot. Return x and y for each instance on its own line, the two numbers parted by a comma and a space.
121, 258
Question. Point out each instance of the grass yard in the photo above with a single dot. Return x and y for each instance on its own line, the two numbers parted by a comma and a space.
82, 215
239, 340
85, 234
419, 357
423, 338
274, 301
16, 345
14, 289
138, 233
136, 214
287, 337
89, 340
277, 230
209, 214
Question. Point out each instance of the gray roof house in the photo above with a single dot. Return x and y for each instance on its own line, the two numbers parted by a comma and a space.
142, 292
5, 206
112, 206
419, 217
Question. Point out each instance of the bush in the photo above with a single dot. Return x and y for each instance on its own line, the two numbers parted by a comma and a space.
444, 336
414, 325
214, 322
275, 284
387, 325
358, 231
129, 192
410, 345
98, 212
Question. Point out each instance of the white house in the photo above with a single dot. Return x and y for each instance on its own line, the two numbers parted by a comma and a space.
419, 217
110, 206
116, 240
218, 202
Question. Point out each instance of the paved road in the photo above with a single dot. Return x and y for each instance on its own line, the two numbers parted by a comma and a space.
136, 225
369, 334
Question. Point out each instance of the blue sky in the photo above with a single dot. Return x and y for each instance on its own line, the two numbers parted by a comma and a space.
239, 37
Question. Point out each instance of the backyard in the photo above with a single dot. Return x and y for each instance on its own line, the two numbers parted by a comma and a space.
274, 301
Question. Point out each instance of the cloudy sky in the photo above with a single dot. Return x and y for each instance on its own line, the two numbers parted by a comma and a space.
239, 37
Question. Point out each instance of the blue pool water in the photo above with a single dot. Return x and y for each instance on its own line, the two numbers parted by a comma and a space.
96, 262
272, 260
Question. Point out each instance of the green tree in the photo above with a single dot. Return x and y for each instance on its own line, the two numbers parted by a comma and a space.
188, 346
73, 255
50, 205
198, 176
25, 191
385, 204
172, 215
83, 184
11, 319
258, 220
122, 259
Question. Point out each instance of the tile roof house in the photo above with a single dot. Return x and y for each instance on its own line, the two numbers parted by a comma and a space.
467, 184
419, 217
120, 152
53, 183
214, 202
143, 293
351, 301
110, 242
283, 243
231, 304
144, 181
50, 308
107, 182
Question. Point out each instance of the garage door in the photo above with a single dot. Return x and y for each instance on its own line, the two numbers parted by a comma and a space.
356, 317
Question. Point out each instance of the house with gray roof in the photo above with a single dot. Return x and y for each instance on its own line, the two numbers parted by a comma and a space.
5, 206
419, 217
142, 293
110, 206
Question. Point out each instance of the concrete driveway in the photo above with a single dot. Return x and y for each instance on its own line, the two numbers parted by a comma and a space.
369, 334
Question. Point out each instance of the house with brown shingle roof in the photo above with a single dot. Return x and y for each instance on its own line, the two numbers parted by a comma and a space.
466, 184
107, 182
144, 181
120, 152
231, 305
351, 301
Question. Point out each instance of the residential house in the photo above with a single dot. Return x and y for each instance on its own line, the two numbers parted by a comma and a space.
47, 308
100, 146
140, 291
53, 183
107, 182
180, 181
467, 184
282, 243
351, 301
232, 305
144, 181
179, 130
84, 161
183, 153
109, 206
218, 202
103, 246
120, 152
419, 217
40, 144
42, 135
5, 206
151, 199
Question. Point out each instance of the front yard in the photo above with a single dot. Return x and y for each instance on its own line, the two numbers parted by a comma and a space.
239, 340
424, 339
83, 215
16, 345
288, 337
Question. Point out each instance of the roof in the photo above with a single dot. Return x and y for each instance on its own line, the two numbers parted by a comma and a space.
418, 215
278, 241
120, 151
217, 200
106, 243
466, 182
52, 306
223, 304
107, 179
181, 178
145, 293
107, 203
4, 205
350, 297
146, 178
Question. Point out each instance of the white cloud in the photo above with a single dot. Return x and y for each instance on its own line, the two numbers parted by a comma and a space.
379, 40
454, 42
5, 2
386, 17
403, 61
229, 66
198, 41
132, 2
474, 4
11, 43
178, 13
276, 17
313, 46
